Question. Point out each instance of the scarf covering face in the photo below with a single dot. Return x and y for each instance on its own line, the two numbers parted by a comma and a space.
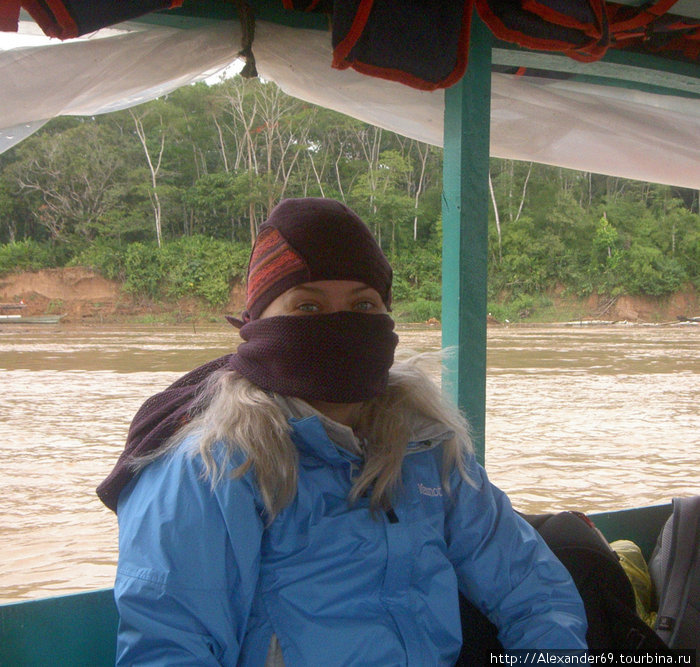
341, 357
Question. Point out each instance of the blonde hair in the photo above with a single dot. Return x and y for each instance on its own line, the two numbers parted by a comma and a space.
232, 410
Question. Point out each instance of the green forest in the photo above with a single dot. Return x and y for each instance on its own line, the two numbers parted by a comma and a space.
167, 196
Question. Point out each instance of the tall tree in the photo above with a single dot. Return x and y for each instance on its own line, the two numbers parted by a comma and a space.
72, 173
151, 132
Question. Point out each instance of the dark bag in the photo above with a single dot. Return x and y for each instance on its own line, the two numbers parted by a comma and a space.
675, 571
607, 594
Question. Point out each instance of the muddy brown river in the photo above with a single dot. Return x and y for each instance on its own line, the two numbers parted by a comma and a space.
577, 418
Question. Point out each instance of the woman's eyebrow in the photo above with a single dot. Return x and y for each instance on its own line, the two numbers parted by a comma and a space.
304, 288
318, 290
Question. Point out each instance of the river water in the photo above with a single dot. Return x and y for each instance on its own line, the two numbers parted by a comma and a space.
577, 418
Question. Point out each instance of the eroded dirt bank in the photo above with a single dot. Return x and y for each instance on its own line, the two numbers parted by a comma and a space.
83, 296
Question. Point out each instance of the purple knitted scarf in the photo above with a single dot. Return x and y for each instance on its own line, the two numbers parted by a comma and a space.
341, 357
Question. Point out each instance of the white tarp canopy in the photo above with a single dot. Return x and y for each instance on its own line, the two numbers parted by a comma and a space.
602, 129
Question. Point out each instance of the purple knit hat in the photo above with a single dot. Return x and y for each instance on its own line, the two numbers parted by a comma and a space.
305, 240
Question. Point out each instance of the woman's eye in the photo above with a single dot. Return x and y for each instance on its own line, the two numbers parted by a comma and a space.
307, 307
365, 305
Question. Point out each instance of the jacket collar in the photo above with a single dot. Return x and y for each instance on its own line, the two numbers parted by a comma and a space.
311, 437
340, 434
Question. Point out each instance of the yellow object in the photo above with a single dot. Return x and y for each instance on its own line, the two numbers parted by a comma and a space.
637, 572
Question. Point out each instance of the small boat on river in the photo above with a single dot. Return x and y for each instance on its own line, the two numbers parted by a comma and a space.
7, 316
30, 319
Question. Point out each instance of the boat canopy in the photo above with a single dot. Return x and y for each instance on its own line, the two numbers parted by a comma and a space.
590, 105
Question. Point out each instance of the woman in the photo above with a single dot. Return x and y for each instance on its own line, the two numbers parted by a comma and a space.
315, 503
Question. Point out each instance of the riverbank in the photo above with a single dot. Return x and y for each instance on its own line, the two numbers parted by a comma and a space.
84, 297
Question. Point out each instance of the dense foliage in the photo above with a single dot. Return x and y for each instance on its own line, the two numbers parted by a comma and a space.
167, 196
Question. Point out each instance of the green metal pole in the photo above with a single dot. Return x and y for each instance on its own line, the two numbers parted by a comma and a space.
465, 233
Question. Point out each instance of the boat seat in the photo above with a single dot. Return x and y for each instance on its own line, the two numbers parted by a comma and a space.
77, 630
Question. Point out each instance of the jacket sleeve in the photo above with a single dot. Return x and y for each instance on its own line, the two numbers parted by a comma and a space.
507, 571
184, 588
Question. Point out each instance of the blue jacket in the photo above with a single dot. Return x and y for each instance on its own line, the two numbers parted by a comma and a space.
203, 580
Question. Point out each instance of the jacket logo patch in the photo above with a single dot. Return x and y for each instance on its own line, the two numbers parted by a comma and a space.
433, 491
